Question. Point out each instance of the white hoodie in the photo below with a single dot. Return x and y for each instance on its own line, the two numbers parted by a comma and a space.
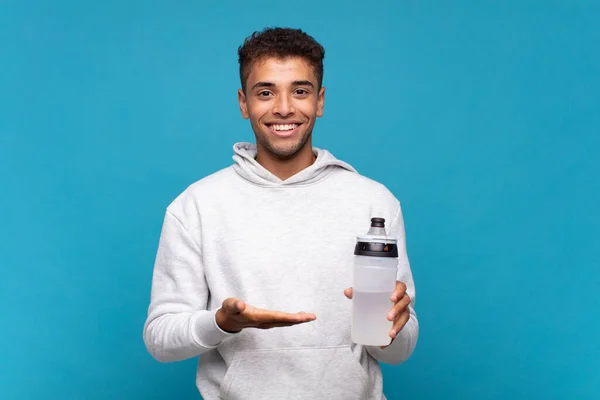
279, 245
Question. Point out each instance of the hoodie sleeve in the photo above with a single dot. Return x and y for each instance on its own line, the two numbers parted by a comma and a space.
178, 324
403, 345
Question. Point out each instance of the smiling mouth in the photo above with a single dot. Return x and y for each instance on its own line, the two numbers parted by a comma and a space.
283, 130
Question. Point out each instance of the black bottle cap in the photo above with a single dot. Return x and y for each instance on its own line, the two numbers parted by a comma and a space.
378, 222
375, 249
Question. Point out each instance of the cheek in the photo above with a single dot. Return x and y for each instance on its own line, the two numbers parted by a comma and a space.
256, 112
310, 110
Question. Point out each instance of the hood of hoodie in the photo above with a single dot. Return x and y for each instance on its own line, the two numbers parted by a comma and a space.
248, 168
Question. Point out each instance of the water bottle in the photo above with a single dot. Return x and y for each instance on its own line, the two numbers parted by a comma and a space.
374, 281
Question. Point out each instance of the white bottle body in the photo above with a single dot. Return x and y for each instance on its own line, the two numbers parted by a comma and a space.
374, 281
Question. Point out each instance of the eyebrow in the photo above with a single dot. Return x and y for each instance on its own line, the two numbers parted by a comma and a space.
303, 83
271, 84
263, 84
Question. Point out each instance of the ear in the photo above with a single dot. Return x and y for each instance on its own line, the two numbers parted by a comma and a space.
321, 102
243, 104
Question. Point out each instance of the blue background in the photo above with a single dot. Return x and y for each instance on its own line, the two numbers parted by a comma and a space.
482, 117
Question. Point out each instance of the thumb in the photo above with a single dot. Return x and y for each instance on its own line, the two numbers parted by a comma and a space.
234, 306
348, 293
240, 306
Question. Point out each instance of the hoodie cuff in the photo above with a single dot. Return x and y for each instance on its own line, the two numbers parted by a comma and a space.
206, 332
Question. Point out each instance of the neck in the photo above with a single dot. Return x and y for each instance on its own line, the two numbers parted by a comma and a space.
284, 168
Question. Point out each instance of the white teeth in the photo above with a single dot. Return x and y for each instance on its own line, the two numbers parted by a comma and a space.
287, 127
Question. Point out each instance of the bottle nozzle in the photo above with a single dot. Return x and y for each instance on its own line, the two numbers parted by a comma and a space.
377, 227
378, 222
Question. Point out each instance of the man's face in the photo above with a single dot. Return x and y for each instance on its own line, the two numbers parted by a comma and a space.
282, 101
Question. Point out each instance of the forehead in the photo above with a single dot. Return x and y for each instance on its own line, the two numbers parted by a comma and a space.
281, 70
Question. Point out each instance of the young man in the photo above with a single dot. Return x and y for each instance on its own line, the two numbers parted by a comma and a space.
254, 264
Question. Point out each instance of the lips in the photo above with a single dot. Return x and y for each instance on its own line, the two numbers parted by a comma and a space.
284, 130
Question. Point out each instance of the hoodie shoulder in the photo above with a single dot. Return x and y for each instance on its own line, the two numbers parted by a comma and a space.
365, 187
197, 192
211, 182
362, 181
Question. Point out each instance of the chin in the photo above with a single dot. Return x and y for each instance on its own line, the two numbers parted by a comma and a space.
285, 150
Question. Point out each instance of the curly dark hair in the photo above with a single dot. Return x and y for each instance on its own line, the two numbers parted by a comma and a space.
280, 43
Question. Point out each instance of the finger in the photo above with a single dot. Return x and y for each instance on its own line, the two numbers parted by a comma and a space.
348, 292
274, 325
399, 307
280, 316
303, 317
269, 325
267, 316
399, 324
398, 292
307, 316
383, 347
280, 324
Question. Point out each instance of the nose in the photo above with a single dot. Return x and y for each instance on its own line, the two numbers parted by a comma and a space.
283, 106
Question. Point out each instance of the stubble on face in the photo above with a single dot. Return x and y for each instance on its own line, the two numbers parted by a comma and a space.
282, 101
286, 150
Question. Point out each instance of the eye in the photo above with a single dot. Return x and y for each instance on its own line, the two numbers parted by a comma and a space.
301, 92
264, 93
